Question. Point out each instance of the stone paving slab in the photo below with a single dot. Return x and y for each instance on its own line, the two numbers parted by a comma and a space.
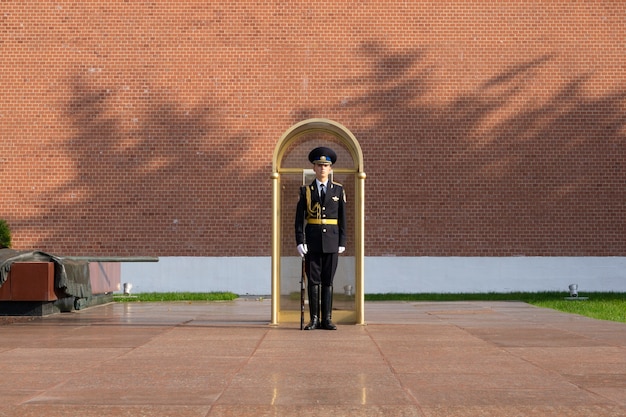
223, 359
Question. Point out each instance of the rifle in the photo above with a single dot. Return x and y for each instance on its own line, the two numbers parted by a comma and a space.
302, 279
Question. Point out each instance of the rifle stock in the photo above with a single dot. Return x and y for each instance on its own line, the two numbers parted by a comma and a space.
302, 279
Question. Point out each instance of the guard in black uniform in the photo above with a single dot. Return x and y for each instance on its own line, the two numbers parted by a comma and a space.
321, 235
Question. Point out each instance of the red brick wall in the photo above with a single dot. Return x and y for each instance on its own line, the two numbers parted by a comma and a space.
147, 128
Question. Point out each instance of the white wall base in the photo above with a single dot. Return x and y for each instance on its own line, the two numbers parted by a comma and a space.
487, 274
252, 275
241, 275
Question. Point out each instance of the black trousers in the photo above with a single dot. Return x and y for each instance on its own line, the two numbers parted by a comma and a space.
320, 268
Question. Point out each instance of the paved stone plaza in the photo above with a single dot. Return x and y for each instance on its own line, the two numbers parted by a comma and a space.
415, 359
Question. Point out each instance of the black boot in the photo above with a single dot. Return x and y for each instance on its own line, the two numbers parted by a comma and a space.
314, 307
327, 308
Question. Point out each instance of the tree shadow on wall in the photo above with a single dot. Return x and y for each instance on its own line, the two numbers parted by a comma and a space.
146, 180
499, 170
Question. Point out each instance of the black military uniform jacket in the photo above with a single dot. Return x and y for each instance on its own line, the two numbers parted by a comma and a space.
323, 223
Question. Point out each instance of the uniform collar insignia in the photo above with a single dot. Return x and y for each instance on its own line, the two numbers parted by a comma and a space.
335, 198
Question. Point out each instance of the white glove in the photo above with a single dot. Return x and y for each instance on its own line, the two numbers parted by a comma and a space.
342, 249
302, 249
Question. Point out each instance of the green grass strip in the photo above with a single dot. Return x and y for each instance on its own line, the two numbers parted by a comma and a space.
176, 296
598, 305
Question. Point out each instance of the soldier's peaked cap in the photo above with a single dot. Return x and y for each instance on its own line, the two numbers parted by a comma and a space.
322, 155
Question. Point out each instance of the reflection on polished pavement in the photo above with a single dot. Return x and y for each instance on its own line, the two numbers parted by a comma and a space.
223, 359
